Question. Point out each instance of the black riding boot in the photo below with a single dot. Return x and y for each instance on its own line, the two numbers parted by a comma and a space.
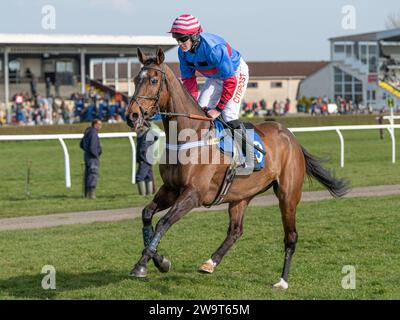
248, 160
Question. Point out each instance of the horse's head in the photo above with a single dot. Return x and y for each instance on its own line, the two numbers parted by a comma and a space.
151, 93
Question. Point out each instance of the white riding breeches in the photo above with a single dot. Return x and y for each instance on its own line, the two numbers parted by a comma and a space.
211, 91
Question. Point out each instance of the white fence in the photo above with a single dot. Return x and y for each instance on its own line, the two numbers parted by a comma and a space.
131, 135
61, 137
338, 129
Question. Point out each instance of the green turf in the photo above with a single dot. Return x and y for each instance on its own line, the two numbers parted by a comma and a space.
92, 261
367, 162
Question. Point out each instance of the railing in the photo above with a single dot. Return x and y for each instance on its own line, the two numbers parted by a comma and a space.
131, 135
61, 137
338, 129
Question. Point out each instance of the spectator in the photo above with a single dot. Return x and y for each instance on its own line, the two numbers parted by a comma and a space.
28, 73
122, 111
33, 86
144, 175
48, 87
275, 108
79, 107
314, 107
90, 143
103, 110
281, 108
89, 113
380, 121
57, 87
287, 105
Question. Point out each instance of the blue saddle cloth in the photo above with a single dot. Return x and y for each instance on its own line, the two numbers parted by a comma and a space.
226, 142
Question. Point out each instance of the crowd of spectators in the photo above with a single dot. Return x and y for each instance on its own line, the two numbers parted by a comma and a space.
325, 106
313, 106
38, 110
261, 108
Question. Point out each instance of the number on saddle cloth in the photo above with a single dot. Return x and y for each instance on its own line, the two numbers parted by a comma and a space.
226, 142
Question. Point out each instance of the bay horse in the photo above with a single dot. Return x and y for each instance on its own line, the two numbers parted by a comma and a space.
189, 185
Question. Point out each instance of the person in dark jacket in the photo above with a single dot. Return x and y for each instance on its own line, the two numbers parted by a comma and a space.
90, 143
144, 174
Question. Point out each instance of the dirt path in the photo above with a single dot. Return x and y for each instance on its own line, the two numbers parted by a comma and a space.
52, 220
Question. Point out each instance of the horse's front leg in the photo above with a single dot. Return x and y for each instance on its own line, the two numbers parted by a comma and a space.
164, 199
188, 200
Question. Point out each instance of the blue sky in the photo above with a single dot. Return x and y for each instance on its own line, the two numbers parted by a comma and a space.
261, 30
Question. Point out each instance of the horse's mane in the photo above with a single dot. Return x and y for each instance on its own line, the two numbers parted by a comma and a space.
185, 91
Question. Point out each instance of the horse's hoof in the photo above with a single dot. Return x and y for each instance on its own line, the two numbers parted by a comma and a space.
162, 264
282, 284
138, 272
207, 267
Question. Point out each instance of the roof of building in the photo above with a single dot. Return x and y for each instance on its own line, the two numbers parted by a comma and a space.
277, 69
84, 39
391, 35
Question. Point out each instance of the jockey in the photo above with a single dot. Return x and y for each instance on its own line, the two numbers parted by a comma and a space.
226, 72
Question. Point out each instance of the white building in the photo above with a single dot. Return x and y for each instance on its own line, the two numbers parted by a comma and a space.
362, 68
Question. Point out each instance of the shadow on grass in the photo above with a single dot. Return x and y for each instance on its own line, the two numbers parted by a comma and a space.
30, 286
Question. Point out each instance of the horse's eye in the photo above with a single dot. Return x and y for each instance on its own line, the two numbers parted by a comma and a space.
153, 81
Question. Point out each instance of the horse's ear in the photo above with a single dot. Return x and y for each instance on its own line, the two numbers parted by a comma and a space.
160, 56
142, 57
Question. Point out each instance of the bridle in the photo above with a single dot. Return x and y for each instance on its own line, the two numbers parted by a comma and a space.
156, 97
157, 100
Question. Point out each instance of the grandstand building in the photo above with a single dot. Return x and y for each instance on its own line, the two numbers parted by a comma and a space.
364, 68
64, 60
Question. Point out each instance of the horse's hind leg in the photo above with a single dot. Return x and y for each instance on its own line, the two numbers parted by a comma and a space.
162, 200
289, 194
235, 230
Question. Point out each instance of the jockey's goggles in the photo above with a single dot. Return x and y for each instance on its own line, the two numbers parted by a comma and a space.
181, 38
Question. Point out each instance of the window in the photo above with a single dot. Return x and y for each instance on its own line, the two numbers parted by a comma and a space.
348, 78
339, 48
338, 76
349, 50
276, 85
347, 86
252, 85
64, 66
338, 88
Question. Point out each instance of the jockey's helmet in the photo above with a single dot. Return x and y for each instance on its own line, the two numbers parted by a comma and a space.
186, 24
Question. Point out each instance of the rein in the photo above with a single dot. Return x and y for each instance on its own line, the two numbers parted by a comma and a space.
157, 99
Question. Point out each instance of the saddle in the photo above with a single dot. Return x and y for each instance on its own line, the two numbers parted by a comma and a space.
228, 146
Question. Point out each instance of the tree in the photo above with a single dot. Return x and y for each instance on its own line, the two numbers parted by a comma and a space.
393, 21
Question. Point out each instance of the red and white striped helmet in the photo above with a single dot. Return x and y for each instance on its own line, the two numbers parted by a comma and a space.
186, 24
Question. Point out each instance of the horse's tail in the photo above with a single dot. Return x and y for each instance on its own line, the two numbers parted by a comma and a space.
314, 168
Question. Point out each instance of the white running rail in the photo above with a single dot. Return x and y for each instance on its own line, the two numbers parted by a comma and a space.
131, 135
61, 137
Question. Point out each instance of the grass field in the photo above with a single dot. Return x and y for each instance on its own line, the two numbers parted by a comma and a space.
367, 162
92, 261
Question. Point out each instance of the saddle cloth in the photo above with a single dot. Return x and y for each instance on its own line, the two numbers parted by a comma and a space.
228, 146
